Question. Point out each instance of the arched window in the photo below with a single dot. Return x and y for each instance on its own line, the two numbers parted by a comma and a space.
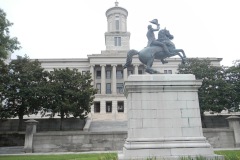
117, 23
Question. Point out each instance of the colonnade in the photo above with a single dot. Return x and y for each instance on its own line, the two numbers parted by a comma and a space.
114, 76
114, 98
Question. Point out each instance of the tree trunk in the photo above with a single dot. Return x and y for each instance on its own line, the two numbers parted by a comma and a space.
202, 119
20, 123
62, 117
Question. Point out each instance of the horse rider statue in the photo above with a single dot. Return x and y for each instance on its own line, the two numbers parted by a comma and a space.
159, 49
152, 40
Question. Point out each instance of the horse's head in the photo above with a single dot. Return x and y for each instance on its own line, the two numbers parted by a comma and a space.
164, 33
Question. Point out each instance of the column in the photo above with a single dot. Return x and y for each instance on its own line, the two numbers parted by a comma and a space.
102, 106
92, 74
135, 69
114, 81
235, 126
125, 106
125, 74
92, 83
103, 79
31, 126
92, 109
114, 109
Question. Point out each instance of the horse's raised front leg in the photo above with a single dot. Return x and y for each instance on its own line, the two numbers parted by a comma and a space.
183, 59
181, 51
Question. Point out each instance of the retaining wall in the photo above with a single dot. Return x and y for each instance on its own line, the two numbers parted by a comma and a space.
86, 141
44, 124
220, 137
78, 141
215, 121
12, 139
109, 141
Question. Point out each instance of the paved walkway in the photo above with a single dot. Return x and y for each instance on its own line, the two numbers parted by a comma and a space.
5, 151
19, 151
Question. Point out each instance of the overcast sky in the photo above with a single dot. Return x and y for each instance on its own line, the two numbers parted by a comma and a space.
75, 28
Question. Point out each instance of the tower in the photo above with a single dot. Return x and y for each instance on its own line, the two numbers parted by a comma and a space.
117, 37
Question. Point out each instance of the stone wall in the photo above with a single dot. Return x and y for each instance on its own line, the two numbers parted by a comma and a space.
215, 121
12, 139
84, 141
77, 141
48, 124
220, 137
11, 125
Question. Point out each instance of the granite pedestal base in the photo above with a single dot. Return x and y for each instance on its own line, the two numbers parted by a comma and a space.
164, 118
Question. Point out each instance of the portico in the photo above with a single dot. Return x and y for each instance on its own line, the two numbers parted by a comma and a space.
109, 80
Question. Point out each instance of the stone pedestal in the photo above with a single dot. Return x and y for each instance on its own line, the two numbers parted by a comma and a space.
31, 126
164, 118
235, 125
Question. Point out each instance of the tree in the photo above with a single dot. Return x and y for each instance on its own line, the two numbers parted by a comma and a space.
215, 94
69, 93
3, 71
7, 44
21, 90
233, 78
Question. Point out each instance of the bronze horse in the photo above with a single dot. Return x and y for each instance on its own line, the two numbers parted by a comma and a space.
148, 54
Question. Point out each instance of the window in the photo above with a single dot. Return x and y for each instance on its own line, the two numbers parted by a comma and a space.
120, 106
96, 107
98, 86
119, 74
108, 107
108, 88
117, 23
108, 74
98, 75
130, 72
119, 88
140, 72
117, 41
167, 71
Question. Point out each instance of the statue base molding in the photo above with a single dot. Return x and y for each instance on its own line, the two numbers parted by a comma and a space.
164, 118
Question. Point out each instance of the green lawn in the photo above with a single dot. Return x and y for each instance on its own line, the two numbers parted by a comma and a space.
229, 155
60, 157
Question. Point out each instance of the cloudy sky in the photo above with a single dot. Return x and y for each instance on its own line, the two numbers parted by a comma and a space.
75, 28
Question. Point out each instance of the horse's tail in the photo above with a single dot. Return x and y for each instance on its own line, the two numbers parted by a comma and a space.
130, 54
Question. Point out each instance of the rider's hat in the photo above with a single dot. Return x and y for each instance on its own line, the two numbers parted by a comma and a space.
154, 21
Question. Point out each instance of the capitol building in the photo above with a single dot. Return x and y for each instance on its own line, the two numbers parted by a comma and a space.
107, 67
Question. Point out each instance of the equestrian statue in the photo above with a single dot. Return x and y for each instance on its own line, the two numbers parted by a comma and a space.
160, 48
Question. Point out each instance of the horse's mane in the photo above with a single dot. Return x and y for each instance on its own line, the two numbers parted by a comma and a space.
162, 36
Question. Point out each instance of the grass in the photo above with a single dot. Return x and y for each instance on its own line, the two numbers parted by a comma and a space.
60, 157
229, 155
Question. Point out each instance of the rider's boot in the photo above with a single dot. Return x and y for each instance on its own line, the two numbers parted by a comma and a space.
164, 61
166, 50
